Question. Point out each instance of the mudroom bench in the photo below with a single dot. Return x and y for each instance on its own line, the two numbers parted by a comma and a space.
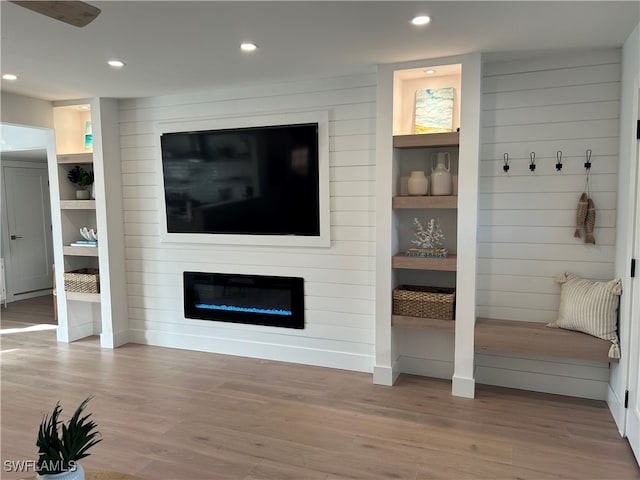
536, 339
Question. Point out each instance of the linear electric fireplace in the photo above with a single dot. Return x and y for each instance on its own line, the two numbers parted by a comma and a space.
253, 299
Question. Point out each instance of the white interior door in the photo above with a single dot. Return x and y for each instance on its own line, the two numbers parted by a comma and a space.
29, 222
633, 411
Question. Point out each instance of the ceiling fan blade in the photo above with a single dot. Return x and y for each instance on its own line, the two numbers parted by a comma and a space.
77, 14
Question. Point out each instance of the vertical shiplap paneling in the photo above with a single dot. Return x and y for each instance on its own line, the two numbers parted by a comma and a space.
339, 281
527, 220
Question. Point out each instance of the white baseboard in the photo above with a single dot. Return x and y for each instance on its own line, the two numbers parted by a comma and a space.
79, 331
385, 375
541, 382
581, 379
26, 296
463, 387
633, 433
425, 367
267, 351
62, 335
108, 340
616, 406
584, 380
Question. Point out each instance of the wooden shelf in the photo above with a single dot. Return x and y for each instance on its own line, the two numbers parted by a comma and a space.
77, 204
427, 140
75, 158
425, 202
83, 297
536, 339
80, 251
403, 321
400, 260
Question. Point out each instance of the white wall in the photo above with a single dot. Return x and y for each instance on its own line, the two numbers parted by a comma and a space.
21, 110
339, 281
564, 102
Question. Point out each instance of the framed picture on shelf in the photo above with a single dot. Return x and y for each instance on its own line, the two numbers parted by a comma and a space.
434, 110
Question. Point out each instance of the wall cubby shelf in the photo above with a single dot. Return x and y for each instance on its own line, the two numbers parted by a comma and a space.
403, 321
448, 264
430, 140
78, 204
399, 152
80, 251
84, 314
425, 202
83, 297
75, 159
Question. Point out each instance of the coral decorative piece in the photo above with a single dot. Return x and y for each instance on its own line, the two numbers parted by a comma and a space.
429, 239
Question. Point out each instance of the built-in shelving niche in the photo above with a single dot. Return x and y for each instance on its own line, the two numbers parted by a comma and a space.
411, 152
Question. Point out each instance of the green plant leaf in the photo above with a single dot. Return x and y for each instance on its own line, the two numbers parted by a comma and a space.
78, 175
58, 447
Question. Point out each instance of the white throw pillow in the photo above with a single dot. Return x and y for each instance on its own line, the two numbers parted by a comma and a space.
589, 307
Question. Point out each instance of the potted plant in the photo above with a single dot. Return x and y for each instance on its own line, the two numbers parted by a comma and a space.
84, 179
60, 449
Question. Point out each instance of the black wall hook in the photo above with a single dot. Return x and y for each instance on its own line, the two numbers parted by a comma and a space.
587, 164
532, 165
559, 160
505, 159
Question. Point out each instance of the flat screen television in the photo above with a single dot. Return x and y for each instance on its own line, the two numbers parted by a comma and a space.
244, 181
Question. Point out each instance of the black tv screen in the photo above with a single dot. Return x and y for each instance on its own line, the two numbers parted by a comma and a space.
248, 181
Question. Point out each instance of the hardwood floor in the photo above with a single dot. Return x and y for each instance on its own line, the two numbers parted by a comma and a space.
174, 414
38, 310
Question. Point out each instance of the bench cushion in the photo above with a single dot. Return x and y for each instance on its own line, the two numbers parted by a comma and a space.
589, 307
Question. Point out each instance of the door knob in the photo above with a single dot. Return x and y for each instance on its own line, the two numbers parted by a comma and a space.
13, 237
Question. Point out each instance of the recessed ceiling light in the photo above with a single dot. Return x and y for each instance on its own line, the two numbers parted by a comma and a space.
116, 63
421, 20
9, 76
84, 107
430, 71
248, 47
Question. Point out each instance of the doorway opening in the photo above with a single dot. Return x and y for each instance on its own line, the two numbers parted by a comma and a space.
26, 244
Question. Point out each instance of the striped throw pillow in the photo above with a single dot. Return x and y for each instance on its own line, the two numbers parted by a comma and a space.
589, 307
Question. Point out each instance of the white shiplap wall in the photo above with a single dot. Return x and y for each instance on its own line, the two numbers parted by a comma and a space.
339, 281
566, 102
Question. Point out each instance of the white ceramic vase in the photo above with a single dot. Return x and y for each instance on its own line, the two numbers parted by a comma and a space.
77, 474
418, 183
82, 195
441, 183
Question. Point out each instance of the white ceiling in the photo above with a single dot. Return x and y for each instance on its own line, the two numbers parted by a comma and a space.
179, 46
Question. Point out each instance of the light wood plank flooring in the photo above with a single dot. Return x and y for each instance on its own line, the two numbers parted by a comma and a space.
38, 310
173, 414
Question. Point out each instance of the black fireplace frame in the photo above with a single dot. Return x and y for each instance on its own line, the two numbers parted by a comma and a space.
294, 284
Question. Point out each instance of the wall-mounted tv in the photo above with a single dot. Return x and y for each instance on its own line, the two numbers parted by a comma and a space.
258, 180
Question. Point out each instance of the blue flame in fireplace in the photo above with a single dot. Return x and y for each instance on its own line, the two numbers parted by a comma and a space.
233, 308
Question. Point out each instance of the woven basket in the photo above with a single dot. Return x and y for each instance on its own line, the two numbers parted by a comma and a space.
424, 302
85, 280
